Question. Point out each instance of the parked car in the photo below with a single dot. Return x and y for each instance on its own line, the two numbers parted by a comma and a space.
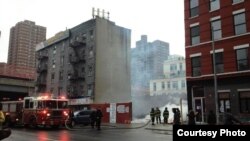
81, 117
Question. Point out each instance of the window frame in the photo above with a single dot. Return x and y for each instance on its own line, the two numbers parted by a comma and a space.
215, 30
193, 9
213, 3
239, 26
245, 100
223, 99
242, 59
195, 35
238, 1
218, 63
196, 67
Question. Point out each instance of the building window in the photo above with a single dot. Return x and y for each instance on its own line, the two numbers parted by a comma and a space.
242, 59
237, 1
183, 84
196, 66
90, 70
216, 29
219, 64
244, 102
195, 35
61, 75
224, 102
173, 67
181, 68
63, 46
91, 34
54, 50
62, 61
154, 86
83, 70
214, 5
163, 85
175, 85
240, 23
194, 9
169, 85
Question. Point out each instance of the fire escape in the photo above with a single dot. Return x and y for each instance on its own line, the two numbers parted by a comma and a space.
76, 72
42, 69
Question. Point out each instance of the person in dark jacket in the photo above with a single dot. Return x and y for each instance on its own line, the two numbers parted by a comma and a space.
158, 115
93, 118
176, 112
165, 115
191, 117
99, 116
152, 116
211, 119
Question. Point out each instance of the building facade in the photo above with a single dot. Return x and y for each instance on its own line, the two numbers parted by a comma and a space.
174, 82
224, 26
147, 59
89, 63
24, 37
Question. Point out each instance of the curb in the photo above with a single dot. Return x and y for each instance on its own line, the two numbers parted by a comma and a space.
159, 129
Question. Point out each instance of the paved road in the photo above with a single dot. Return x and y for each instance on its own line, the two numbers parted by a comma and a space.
87, 134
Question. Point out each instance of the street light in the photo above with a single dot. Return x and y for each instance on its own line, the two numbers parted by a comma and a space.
215, 80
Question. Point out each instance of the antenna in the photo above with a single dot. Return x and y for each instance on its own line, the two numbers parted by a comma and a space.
96, 13
93, 12
103, 12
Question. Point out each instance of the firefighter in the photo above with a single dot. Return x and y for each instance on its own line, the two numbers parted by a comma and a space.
152, 115
99, 116
158, 115
2, 118
166, 115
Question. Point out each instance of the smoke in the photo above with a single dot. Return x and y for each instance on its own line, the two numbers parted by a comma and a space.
142, 104
183, 107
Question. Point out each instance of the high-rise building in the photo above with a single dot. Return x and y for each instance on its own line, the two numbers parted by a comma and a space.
147, 61
221, 28
89, 63
24, 37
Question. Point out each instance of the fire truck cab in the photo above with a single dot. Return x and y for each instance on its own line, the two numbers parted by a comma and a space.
37, 111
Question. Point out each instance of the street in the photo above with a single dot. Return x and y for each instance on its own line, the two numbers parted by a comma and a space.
86, 134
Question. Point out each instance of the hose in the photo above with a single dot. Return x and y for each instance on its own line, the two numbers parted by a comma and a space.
113, 127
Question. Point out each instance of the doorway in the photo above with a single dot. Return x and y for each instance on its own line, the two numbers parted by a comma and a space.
199, 107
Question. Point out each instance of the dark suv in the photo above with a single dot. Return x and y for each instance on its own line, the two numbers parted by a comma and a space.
81, 117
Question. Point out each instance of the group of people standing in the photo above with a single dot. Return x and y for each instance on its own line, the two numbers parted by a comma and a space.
155, 114
228, 118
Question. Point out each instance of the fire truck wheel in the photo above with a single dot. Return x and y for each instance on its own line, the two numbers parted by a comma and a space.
32, 122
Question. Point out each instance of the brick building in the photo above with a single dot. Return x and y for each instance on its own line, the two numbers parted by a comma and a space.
22, 43
227, 25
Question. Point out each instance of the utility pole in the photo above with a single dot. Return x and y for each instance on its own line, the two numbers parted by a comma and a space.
215, 80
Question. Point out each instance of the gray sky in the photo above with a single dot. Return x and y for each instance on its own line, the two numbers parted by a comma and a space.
158, 19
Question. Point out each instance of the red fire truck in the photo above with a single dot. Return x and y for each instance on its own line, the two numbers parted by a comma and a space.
36, 111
